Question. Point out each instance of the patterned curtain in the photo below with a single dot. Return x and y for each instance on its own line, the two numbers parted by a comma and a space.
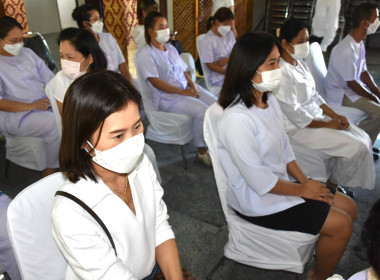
16, 9
120, 16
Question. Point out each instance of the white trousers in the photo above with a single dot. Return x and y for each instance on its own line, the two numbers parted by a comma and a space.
347, 154
196, 109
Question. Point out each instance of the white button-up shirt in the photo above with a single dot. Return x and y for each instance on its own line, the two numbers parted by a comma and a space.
85, 245
254, 151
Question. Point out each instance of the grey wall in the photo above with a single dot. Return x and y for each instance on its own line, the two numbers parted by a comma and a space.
42, 16
258, 12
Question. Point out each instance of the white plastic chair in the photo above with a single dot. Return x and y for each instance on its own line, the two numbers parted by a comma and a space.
28, 152
30, 231
189, 60
215, 90
248, 243
49, 91
317, 66
164, 127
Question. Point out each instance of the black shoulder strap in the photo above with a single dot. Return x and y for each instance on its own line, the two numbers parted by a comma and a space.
91, 212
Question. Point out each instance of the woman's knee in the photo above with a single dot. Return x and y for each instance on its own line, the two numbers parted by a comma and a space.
338, 223
345, 203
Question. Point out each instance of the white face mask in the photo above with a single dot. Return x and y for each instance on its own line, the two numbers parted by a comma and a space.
373, 26
14, 49
71, 69
270, 80
122, 158
300, 51
224, 29
163, 35
97, 26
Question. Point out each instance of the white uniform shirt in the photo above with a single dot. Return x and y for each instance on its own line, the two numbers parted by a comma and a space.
297, 96
166, 65
254, 151
86, 246
23, 78
60, 85
139, 35
326, 21
216, 4
112, 51
347, 63
214, 48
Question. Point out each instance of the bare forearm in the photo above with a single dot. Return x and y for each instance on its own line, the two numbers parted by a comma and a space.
357, 88
295, 171
283, 187
168, 259
13, 106
367, 79
328, 111
164, 86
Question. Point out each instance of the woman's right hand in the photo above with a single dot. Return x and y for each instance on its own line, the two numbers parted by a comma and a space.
42, 104
315, 190
190, 92
335, 124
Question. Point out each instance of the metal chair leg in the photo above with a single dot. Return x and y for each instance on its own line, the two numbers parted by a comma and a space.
184, 157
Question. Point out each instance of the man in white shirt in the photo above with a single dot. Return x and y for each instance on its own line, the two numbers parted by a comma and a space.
348, 82
325, 22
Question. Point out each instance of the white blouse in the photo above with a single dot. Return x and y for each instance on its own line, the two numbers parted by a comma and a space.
297, 96
85, 245
254, 151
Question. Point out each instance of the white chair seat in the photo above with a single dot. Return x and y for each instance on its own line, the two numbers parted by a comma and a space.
30, 231
28, 152
248, 243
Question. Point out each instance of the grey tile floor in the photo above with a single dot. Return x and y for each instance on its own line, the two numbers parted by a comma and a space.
196, 215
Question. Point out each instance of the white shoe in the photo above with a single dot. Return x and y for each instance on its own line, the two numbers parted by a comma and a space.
205, 159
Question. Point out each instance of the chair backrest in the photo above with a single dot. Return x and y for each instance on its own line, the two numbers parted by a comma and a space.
164, 127
30, 231
317, 66
37, 43
210, 127
248, 243
206, 71
49, 91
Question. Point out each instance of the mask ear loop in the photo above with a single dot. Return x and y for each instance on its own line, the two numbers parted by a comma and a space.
92, 148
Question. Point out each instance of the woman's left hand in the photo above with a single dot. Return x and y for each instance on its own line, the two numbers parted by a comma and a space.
344, 122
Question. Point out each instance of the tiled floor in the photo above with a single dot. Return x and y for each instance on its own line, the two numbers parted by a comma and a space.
196, 215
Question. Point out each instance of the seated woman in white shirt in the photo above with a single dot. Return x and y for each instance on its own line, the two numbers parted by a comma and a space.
215, 48
102, 157
172, 88
88, 17
371, 240
80, 53
311, 123
24, 107
256, 156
